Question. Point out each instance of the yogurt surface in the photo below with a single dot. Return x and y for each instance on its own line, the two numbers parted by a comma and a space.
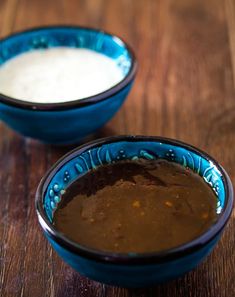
58, 74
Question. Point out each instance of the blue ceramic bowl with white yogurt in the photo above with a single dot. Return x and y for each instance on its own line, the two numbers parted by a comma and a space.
132, 269
71, 120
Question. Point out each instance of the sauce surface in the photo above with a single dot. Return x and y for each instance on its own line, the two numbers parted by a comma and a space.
58, 74
136, 207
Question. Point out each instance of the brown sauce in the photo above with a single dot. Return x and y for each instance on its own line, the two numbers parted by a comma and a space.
131, 206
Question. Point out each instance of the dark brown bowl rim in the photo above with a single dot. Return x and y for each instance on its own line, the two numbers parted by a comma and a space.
140, 258
107, 94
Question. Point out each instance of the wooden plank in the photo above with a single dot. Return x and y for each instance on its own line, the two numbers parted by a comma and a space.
230, 13
7, 16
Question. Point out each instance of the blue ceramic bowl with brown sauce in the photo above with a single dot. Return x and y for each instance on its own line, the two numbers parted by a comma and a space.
70, 121
132, 270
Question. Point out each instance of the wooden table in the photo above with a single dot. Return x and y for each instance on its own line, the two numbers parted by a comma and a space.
184, 90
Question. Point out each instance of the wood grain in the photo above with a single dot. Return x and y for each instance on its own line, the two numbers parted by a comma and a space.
184, 89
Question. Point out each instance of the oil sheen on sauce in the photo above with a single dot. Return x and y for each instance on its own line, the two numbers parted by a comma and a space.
58, 74
136, 207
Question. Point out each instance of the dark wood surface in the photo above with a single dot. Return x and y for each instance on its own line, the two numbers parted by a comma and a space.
184, 89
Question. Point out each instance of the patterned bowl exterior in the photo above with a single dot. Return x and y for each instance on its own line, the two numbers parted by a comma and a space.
66, 122
132, 270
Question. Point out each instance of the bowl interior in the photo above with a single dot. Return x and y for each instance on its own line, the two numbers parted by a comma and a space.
89, 157
76, 37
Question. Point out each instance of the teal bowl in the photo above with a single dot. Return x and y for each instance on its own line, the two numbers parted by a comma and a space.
132, 270
66, 122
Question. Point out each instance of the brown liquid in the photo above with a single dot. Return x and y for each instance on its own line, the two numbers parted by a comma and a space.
136, 207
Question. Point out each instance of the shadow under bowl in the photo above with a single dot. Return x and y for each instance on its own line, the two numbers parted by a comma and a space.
132, 270
66, 122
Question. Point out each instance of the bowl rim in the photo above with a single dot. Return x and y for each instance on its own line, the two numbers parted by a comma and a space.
135, 258
107, 94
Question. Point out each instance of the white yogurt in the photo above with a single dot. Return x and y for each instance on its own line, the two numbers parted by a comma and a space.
58, 75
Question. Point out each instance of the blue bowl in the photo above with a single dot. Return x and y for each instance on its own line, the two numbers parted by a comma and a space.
70, 121
132, 270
